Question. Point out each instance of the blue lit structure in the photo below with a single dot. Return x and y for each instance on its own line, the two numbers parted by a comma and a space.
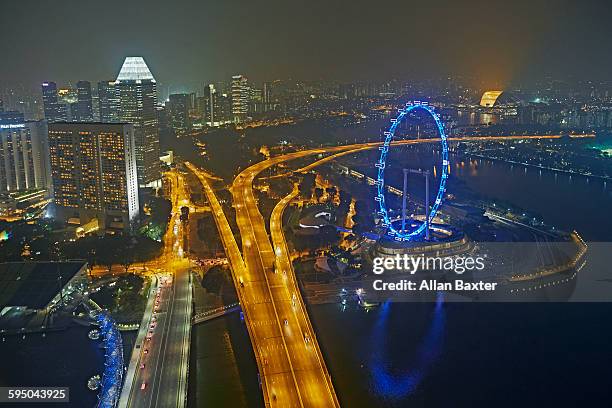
112, 377
381, 164
396, 384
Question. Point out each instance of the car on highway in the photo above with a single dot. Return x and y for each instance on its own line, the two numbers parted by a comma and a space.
143, 386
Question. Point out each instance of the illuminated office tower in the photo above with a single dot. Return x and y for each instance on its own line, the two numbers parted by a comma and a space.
54, 111
267, 96
256, 105
178, 108
68, 102
224, 101
137, 92
108, 101
23, 154
240, 98
211, 106
84, 105
93, 168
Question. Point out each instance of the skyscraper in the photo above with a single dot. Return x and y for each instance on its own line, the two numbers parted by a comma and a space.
54, 111
67, 102
267, 96
256, 105
84, 108
24, 154
224, 104
178, 107
93, 168
211, 107
137, 100
108, 101
240, 98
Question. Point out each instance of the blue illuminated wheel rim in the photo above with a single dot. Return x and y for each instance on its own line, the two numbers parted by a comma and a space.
381, 164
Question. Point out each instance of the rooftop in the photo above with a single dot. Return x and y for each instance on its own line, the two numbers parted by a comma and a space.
135, 69
34, 284
489, 98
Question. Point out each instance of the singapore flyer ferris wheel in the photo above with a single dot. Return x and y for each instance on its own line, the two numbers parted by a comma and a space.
415, 234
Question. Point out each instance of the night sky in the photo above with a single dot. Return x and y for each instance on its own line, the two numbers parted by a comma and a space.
496, 42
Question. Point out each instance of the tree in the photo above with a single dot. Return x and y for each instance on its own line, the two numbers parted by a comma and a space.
328, 234
107, 251
331, 192
318, 193
126, 251
146, 249
345, 198
154, 226
307, 185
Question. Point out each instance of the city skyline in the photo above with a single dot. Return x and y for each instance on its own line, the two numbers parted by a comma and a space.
505, 43
305, 204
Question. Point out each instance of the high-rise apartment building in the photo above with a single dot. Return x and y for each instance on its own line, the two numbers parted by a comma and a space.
137, 92
240, 98
84, 105
54, 110
93, 168
108, 101
24, 154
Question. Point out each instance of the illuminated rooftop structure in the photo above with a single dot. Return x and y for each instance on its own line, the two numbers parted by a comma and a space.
136, 91
489, 98
37, 285
135, 69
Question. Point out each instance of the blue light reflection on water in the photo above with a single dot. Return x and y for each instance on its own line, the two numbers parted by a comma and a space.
397, 386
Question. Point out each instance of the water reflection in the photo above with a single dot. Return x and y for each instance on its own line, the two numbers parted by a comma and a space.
397, 386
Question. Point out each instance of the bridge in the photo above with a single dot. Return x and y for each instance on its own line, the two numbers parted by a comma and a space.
214, 313
290, 363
